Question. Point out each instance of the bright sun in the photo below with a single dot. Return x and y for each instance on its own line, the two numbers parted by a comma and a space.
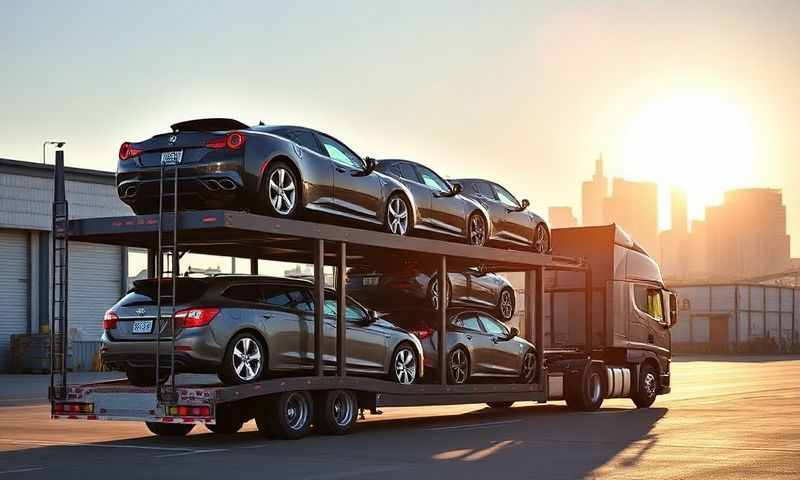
702, 143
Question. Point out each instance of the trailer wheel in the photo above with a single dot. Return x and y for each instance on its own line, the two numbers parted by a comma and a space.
586, 391
169, 429
337, 411
229, 420
646, 391
288, 416
499, 404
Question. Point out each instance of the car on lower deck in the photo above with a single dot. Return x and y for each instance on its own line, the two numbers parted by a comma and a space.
401, 285
479, 347
245, 328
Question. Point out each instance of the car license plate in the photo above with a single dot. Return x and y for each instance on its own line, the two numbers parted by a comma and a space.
371, 281
171, 158
142, 326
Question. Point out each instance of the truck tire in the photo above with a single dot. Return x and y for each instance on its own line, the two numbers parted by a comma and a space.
170, 429
647, 387
499, 404
287, 415
585, 391
337, 411
229, 421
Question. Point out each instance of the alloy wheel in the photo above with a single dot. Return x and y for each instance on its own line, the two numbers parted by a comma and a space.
282, 191
541, 243
246, 359
397, 216
477, 231
405, 366
529, 367
458, 366
506, 305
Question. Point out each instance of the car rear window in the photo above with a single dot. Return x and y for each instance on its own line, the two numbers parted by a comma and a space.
244, 293
145, 292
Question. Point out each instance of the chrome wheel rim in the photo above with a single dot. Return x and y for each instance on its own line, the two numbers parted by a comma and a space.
529, 367
458, 366
540, 245
282, 191
506, 304
650, 384
595, 387
296, 411
477, 230
343, 409
397, 216
405, 366
246, 359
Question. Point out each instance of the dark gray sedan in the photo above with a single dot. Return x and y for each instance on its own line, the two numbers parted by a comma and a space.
479, 346
245, 328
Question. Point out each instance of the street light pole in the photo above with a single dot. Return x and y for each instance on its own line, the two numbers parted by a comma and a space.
44, 146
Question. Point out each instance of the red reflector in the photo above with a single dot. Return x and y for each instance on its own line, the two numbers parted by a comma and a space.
400, 285
209, 219
216, 143
110, 320
183, 348
183, 411
195, 317
423, 333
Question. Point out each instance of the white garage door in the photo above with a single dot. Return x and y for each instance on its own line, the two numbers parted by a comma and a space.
14, 290
94, 286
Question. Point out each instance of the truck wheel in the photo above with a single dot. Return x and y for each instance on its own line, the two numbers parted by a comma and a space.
337, 411
169, 429
288, 416
228, 421
645, 393
499, 404
586, 391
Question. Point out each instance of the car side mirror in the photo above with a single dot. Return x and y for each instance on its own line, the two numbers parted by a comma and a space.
373, 316
673, 310
457, 188
369, 167
525, 204
513, 333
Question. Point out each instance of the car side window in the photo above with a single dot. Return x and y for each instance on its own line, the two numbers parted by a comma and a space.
504, 196
648, 300
288, 297
469, 322
244, 293
305, 139
352, 312
432, 180
484, 189
340, 153
492, 326
407, 172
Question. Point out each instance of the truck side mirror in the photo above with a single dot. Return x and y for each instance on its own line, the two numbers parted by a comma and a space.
673, 309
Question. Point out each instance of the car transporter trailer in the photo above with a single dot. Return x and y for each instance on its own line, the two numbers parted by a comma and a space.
330, 398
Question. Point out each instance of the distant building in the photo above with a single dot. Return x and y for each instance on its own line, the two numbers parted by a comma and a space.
674, 243
696, 256
561, 217
593, 193
634, 206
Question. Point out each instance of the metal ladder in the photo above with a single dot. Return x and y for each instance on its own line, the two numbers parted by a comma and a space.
165, 391
59, 321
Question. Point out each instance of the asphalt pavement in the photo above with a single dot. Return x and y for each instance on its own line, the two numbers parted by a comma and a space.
725, 418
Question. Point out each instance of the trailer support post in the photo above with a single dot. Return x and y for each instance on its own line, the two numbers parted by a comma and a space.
253, 266
319, 304
442, 312
588, 304
538, 319
341, 305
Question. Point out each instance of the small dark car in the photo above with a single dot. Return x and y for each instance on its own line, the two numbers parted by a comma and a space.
284, 171
247, 327
479, 347
397, 286
511, 222
440, 208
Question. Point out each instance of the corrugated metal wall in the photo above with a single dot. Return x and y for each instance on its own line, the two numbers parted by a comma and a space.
94, 286
14, 290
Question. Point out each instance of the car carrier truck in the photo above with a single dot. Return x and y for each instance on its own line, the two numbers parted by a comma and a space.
600, 347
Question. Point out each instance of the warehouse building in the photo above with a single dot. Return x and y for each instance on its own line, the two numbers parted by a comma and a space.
748, 318
98, 273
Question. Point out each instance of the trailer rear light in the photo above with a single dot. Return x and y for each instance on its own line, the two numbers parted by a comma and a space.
423, 333
110, 320
233, 141
188, 411
73, 408
126, 151
195, 317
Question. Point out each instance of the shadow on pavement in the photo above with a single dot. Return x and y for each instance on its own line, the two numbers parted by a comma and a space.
734, 358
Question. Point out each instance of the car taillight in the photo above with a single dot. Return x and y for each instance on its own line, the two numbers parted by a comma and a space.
423, 333
126, 151
233, 141
195, 317
110, 320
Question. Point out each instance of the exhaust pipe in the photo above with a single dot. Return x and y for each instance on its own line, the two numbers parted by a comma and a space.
226, 184
211, 185
130, 192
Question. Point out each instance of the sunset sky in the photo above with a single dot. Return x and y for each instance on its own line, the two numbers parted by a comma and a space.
704, 95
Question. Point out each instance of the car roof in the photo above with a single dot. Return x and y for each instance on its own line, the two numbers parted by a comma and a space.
238, 278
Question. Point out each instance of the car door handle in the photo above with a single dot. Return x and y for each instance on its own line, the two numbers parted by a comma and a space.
266, 317
494, 340
650, 339
469, 337
341, 170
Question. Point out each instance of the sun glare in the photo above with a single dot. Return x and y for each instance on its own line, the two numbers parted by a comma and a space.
701, 143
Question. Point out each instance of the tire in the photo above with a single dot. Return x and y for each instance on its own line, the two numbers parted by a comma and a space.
404, 368
506, 304
476, 230
499, 404
144, 376
458, 366
229, 421
287, 415
170, 429
647, 388
398, 218
244, 361
541, 239
527, 372
586, 391
433, 293
281, 190
337, 411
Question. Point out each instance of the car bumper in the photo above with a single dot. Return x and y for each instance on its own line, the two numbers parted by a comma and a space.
195, 352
